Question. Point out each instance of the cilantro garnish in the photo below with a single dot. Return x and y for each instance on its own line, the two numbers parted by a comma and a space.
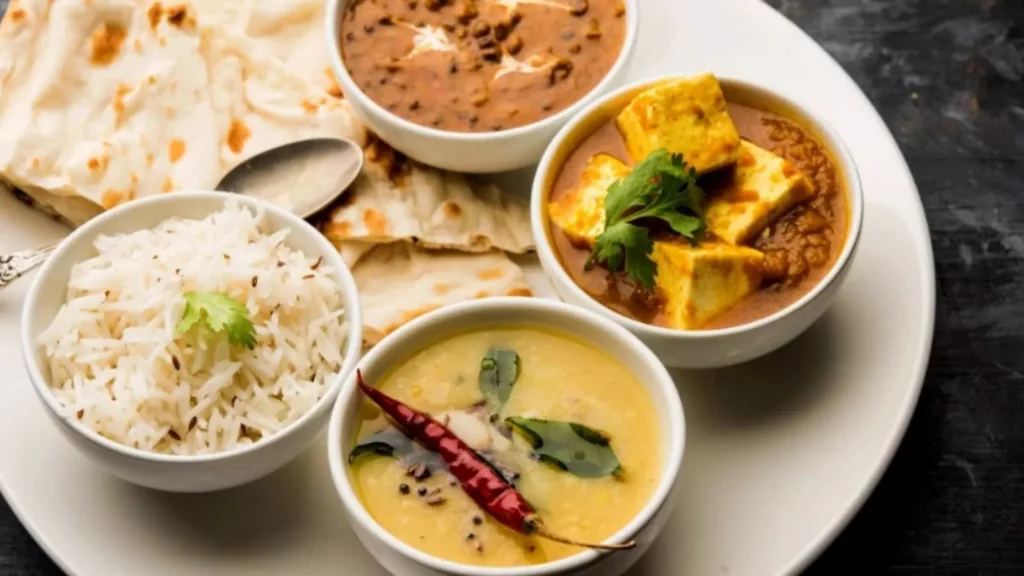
661, 187
221, 313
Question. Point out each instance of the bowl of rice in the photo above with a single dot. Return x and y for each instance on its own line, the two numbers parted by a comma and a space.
194, 341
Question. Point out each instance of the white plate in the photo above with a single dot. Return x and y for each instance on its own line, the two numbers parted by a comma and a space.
781, 452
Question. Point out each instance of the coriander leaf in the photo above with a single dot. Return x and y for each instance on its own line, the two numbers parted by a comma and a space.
569, 446
661, 187
637, 188
499, 370
683, 224
221, 313
626, 244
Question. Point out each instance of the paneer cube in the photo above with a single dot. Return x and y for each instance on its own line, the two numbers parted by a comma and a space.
687, 117
763, 186
580, 212
697, 283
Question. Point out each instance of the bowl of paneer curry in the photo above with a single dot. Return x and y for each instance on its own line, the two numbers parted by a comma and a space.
713, 218
476, 85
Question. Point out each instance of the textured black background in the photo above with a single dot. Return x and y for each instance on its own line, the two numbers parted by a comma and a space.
948, 77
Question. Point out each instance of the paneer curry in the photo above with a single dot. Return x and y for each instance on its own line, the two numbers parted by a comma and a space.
480, 65
689, 211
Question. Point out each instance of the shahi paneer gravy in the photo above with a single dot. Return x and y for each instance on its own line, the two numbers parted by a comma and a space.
559, 379
800, 247
480, 65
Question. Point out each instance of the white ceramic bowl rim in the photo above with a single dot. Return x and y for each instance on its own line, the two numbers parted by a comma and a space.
665, 387
353, 316
836, 146
349, 86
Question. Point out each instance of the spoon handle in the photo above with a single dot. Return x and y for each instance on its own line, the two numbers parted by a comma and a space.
15, 265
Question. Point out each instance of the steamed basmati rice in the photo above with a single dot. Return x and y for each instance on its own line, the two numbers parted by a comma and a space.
118, 366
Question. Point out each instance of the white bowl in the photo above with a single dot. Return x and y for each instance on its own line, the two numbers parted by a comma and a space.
402, 559
483, 152
700, 348
202, 473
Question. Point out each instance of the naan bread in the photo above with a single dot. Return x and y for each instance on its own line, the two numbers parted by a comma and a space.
103, 101
398, 199
292, 30
399, 282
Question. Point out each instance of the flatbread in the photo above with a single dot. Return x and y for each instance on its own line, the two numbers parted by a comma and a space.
398, 199
132, 98
104, 101
399, 282
292, 30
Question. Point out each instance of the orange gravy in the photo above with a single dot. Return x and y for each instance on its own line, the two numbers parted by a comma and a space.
800, 247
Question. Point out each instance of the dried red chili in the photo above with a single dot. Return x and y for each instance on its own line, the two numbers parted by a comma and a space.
478, 479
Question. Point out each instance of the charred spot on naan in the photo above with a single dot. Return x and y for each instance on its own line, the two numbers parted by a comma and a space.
118, 105
490, 274
111, 198
376, 223
155, 13
175, 149
338, 230
17, 13
311, 107
519, 292
105, 43
452, 210
180, 17
168, 185
332, 84
393, 163
237, 135
98, 163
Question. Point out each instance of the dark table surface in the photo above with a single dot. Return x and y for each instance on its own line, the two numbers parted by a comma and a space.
948, 77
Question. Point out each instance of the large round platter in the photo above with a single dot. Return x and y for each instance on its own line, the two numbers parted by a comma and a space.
781, 453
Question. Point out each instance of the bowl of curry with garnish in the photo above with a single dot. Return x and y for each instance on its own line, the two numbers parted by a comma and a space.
476, 85
714, 218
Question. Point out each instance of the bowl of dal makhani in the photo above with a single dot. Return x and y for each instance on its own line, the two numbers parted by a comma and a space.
507, 436
193, 341
715, 219
476, 85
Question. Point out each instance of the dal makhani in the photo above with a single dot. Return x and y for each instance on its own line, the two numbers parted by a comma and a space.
480, 65
554, 439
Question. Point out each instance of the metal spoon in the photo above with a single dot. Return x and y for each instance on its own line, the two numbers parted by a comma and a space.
303, 177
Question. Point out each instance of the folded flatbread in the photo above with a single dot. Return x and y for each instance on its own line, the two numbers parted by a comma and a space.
292, 30
397, 199
103, 101
399, 282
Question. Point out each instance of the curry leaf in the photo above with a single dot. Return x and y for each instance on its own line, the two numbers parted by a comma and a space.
388, 442
569, 446
499, 370
392, 443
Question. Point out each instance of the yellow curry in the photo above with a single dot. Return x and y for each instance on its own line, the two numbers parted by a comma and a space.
500, 391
